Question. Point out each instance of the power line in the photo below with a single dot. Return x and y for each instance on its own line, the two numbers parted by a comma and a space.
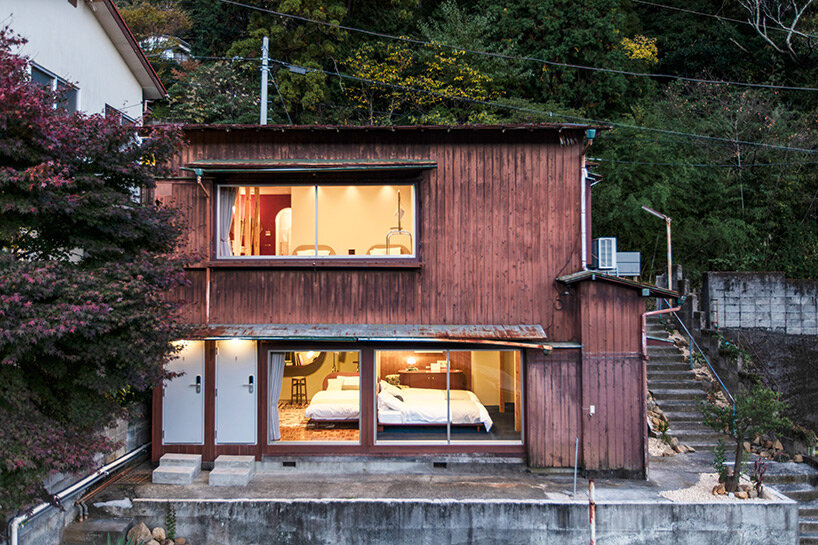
301, 70
701, 165
714, 16
505, 56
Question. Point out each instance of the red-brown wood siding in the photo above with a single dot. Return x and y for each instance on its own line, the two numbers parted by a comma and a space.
498, 222
553, 407
612, 377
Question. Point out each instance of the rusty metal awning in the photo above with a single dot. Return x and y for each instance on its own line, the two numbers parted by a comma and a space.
235, 166
601, 276
523, 336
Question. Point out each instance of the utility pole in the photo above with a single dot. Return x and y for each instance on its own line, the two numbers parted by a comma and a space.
265, 48
669, 247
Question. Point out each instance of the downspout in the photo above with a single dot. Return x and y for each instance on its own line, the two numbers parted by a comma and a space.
18, 521
583, 216
208, 228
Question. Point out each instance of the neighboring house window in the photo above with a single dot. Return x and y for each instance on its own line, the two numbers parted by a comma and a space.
68, 94
324, 221
110, 111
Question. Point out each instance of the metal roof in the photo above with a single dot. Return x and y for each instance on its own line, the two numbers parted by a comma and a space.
598, 275
306, 165
518, 127
530, 336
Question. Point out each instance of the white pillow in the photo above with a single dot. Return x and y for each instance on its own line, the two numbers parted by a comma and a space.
350, 383
388, 401
334, 384
311, 252
391, 388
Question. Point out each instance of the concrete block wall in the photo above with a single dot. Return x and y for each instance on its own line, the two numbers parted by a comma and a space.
766, 301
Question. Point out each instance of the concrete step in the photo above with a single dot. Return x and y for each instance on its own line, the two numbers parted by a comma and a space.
677, 417
243, 462
183, 475
698, 437
678, 406
230, 476
808, 509
654, 385
798, 491
659, 366
677, 394
790, 472
807, 526
182, 460
95, 531
808, 538
671, 375
687, 425
664, 348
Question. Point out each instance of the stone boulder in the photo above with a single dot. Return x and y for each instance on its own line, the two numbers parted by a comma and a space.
139, 534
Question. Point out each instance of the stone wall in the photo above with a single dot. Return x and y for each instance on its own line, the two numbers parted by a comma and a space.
767, 301
484, 522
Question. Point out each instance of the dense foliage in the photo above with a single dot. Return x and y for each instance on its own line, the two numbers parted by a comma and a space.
734, 206
84, 326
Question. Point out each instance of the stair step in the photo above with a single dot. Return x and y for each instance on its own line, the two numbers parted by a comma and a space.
244, 462
806, 526
668, 367
677, 395
231, 476
808, 538
183, 475
808, 509
687, 425
798, 491
677, 417
181, 460
680, 405
697, 436
671, 375
95, 531
654, 385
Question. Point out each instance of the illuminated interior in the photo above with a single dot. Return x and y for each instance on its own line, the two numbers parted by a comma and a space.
323, 221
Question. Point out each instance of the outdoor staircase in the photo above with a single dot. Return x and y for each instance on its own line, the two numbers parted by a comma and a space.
676, 390
798, 482
96, 531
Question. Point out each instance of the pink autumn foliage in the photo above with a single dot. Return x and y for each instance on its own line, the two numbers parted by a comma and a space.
86, 267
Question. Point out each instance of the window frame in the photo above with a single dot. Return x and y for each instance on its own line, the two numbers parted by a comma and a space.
54, 86
318, 261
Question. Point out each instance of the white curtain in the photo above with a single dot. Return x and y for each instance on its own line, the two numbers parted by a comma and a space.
228, 201
275, 380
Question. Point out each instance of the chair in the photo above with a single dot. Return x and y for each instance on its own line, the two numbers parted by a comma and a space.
298, 390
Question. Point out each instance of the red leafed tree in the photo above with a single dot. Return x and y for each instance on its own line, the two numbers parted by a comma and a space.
84, 264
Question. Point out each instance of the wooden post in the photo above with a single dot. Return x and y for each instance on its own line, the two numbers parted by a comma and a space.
518, 414
257, 221
245, 218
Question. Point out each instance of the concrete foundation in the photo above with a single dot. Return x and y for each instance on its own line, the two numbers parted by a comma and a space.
484, 522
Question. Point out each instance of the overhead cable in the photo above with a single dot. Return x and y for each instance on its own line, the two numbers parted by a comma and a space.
506, 56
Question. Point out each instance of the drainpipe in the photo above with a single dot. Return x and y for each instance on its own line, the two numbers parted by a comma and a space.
583, 216
18, 521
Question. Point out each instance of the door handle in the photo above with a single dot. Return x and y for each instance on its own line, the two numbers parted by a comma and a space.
249, 383
198, 384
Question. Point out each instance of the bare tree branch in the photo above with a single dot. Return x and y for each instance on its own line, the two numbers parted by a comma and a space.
780, 15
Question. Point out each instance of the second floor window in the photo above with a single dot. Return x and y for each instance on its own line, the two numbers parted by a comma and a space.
316, 221
67, 94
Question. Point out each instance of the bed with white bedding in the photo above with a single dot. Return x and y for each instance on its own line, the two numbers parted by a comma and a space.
422, 406
334, 406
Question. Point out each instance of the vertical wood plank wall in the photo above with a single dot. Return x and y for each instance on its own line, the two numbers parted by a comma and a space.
498, 222
612, 378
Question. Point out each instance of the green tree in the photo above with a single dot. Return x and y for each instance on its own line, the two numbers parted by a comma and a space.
84, 264
757, 412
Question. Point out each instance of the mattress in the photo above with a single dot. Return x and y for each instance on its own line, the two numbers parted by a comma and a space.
428, 406
334, 405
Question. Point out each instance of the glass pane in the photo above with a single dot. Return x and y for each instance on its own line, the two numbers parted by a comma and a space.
266, 221
314, 396
366, 220
412, 401
41, 78
486, 395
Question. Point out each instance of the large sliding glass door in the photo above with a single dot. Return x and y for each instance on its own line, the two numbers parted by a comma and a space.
449, 396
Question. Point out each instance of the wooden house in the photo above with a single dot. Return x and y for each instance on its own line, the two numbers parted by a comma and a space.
400, 291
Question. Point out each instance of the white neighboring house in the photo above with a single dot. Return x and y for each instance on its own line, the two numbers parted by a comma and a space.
85, 48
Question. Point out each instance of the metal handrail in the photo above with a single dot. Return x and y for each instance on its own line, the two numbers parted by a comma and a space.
693, 344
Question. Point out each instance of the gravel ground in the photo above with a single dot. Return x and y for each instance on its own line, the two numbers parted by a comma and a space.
702, 491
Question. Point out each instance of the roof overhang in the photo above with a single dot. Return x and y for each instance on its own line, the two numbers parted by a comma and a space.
593, 276
117, 30
521, 336
238, 166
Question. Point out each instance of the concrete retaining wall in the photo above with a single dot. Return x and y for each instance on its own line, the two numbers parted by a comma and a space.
435, 522
760, 300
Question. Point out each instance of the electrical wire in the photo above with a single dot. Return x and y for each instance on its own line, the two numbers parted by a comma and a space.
505, 56
700, 165
714, 16
666, 132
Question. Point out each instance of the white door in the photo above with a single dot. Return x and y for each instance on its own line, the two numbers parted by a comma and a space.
183, 397
236, 391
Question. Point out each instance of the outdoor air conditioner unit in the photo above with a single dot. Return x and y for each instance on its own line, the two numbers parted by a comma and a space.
603, 254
